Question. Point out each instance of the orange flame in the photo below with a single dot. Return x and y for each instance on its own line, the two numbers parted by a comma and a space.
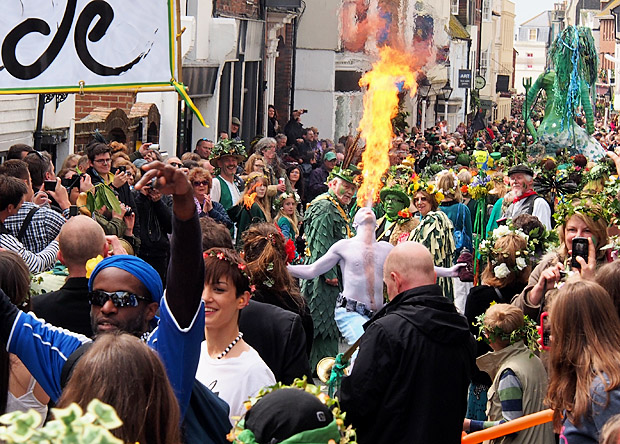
380, 106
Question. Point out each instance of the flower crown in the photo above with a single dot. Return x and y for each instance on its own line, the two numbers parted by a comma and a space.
347, 433
528, 332
278, 201
418, 184
598, 206
487, 251
253, 176
221, 256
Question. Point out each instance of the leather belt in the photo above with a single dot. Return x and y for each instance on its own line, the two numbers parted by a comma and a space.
355, 306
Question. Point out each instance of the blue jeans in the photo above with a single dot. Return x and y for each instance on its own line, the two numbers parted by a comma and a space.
351, 326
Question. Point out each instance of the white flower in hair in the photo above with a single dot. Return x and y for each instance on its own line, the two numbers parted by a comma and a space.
521, 263
500, 231
501, 271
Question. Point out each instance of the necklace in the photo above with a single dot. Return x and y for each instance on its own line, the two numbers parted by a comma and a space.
230, 346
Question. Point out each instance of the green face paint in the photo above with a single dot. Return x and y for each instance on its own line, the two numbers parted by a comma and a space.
392, 205
341, 190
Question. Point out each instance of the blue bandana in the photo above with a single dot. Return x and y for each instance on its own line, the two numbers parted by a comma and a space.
135, 266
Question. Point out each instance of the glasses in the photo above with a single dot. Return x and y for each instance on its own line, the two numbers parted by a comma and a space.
176, 164
119, 298
393, 200
108, 160
420, 199
204, 183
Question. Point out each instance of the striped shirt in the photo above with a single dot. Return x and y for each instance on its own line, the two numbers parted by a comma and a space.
510, 392
42, 230
36, 262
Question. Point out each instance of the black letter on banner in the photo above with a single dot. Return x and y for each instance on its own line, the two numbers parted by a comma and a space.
104, 10
9, 46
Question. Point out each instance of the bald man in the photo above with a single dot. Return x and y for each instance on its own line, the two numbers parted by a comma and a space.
80, 239
409, 382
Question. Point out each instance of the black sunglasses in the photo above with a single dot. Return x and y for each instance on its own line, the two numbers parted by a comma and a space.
119, 298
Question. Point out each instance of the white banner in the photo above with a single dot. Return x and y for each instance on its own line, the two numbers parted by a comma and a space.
60, 45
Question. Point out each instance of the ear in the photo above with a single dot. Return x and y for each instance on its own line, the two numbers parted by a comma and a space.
243, 300
60, 257
151, 310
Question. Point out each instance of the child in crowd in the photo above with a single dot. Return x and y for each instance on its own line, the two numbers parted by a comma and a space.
287, 215
519, 378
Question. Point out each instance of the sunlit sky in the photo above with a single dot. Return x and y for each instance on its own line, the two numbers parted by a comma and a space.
526, 9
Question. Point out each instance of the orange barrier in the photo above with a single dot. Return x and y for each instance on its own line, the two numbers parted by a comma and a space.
525, 422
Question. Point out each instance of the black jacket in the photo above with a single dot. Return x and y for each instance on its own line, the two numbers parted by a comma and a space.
67, 308
278, 337
409, 382
155, 220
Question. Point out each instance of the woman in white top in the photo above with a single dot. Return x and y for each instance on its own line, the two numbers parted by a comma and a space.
228, 365
19, 390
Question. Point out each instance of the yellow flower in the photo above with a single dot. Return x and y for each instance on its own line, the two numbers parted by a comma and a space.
431, 189
91, 264
439, 196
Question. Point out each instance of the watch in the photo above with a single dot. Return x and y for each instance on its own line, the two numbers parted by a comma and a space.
479, 82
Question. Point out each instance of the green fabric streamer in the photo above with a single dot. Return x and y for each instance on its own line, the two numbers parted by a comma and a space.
335, 378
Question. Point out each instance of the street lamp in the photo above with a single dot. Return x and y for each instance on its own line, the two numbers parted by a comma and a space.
446, 91
424, 89
444, 94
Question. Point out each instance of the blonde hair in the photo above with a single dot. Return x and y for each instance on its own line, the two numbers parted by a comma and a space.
506, 317
292, 219
449, 186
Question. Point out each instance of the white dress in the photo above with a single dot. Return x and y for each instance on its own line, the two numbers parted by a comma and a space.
234, 380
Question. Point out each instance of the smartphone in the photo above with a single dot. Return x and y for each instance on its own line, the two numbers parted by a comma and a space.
580, 248
49, 185
73, 210
129, 212
71, 182
121, 169
545, 336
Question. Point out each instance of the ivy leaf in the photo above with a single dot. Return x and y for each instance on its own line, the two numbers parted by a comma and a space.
105, 414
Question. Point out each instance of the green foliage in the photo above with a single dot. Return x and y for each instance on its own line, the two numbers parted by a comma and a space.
102, 195
69, 426
528, 333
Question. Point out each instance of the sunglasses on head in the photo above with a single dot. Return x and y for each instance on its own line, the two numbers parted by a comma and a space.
119, 298
204, 183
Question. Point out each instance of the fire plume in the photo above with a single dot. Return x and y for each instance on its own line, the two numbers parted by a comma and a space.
380, 106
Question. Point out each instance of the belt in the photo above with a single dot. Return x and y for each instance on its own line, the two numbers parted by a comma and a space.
355, 306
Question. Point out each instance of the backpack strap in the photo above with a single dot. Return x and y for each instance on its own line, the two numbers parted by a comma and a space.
69, 365
26, 223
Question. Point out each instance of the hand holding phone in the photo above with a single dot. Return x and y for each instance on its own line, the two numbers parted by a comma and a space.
49, 185
580, 248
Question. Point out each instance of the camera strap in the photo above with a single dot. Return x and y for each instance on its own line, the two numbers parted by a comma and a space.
26, 223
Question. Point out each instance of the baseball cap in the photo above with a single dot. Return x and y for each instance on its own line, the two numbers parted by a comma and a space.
330, 155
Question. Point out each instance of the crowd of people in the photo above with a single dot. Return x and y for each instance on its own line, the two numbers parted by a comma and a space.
243, 264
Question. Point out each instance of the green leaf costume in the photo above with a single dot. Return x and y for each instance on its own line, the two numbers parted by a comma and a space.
324, 225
